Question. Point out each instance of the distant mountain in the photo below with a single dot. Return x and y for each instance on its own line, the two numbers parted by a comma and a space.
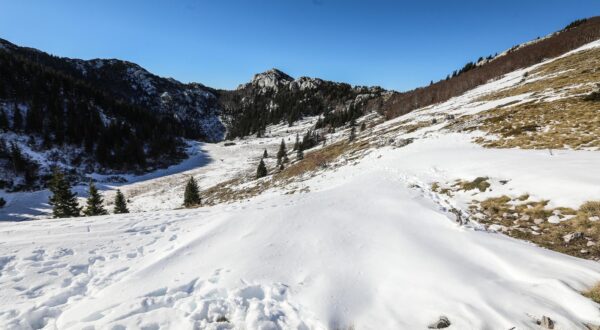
273, 96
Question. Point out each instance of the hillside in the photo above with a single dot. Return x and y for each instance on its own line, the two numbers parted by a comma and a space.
113, 117
482, 210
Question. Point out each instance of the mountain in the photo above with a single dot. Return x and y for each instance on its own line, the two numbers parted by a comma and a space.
435, 218
112, 116
273, 96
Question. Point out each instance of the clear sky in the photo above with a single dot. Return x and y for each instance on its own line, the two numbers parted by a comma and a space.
222, 43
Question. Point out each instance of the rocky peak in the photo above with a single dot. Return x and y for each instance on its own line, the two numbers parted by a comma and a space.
271, 79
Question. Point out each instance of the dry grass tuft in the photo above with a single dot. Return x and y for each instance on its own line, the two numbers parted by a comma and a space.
593, 293
479, 183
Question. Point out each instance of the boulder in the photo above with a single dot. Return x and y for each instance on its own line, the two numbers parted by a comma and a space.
546, 322
442, 323
554, 219
568, 238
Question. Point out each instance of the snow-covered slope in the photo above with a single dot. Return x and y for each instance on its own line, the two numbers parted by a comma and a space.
361, 249
360, 242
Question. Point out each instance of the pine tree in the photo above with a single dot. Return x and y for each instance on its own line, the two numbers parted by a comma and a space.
265, 154
300, 153
3, 120
261, 171
363, 126
2, 202
297, 143
191, 196
94, 202
18, 162
352, 134
17, 119
282, 152
120, 203
63, 201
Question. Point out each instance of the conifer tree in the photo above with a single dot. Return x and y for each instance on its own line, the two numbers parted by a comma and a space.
63, 201
3, 120
297, 143
120, 203
17, 119
18, 162
2, 202
282, 152
261, 171
300, 152
191, 196
352, 134
94, 202
363, 126
265, 154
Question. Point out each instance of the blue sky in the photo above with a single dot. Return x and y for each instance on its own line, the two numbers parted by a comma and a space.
394, 44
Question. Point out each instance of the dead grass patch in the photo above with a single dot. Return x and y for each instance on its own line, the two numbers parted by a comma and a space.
566, 123
479, 183
528, 220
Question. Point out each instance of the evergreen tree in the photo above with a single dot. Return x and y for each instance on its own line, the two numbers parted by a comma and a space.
120, 203
63, 201
94, 202
261, 171
297, 143
2, 202
3, 120
300, 153
17, 119
265, 154
352, 134
363, 126
281, 167
191, 196
18, 161
282, 152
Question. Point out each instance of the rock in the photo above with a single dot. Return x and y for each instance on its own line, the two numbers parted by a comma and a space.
535, 228
546, 322
525, 217
590, 243
538, 221
584, 251
554, 219
496, 227
402, 142
442, 323
572, 236
592, 327
594, 219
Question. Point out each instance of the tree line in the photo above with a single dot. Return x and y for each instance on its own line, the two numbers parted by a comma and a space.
573, 36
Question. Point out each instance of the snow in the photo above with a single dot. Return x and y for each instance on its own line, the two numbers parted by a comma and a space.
362, 248
366, 245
